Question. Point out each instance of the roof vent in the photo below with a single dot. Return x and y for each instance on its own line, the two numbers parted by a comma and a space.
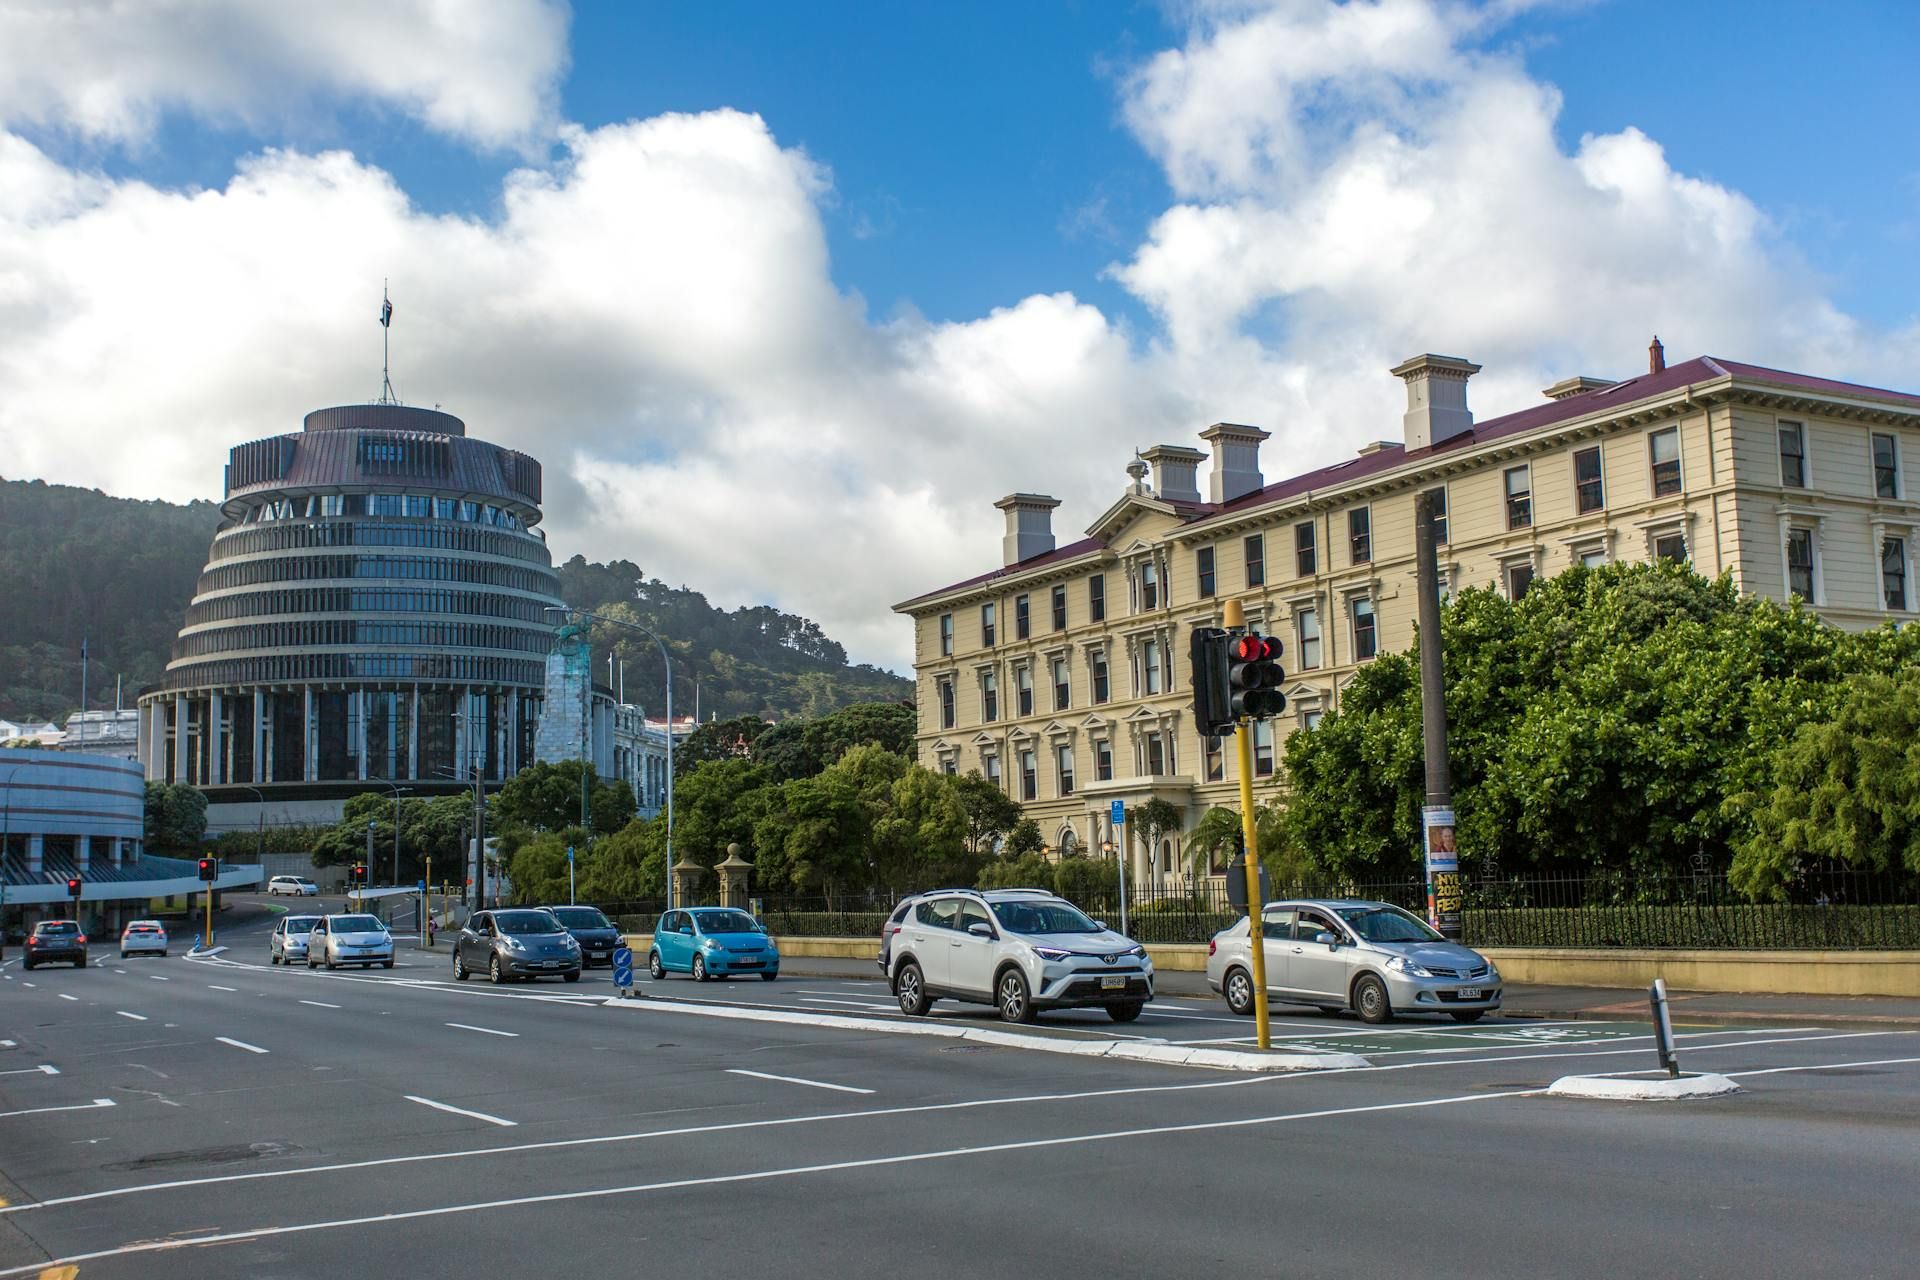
1236, 461
1436, 398
1569, 387
1372, 447
1029, 526
1175, 471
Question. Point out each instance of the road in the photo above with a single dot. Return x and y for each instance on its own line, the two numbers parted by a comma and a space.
295, 1123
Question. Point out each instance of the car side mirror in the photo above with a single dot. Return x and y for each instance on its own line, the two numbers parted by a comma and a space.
687, 929
1326, 939
1099, 924
980, 929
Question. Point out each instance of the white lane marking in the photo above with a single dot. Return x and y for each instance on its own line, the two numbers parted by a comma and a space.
44, 1069
1615, 1053
137, 1017
512, 1035
240, 1044
462, 1111
35, 1111
759, 1175
211, 987
65, 996
8, 1044
119, 970
846, 1004
29, 984
157, 978
320, 1004
1821, 1066
817, 1084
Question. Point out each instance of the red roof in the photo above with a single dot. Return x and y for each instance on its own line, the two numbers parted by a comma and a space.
1628, 391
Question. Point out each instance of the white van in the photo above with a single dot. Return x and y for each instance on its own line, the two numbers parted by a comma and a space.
298, 886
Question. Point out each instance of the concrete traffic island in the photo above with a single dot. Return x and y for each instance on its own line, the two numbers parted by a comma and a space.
1631, 1087
1269, 1060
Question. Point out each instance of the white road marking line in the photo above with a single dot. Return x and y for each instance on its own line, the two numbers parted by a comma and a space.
320, 1004
44, 1069
35, 1111
240, 1044
817, 1084
8, 1044
849, 1004
211, 987
65, 996
1823, 1066
29, 984
512, 1035
137, 1017
157, 978
119, 970
462, 1111
760, 1175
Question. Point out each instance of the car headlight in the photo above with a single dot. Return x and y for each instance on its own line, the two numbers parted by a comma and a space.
1141, 952
708, 944
514, 944
1402, 965
1051, 953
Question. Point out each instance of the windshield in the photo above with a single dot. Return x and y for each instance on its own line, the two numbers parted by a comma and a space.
59, 926
581, 918
357, 924
1388, 924
726, 922
525, 922
1043, 916
300, 924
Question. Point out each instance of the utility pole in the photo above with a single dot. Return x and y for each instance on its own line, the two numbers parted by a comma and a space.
1441, 859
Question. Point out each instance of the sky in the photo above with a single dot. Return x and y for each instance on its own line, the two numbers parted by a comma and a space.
785, 296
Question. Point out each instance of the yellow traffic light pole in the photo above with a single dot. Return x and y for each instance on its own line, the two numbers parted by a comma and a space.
1235, 616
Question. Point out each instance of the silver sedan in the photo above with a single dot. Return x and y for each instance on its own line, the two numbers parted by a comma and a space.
287, 944
1345, 953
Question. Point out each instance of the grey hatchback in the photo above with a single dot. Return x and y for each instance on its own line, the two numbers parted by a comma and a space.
508, 944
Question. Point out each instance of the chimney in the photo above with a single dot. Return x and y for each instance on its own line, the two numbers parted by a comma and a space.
1436, 398
1175, 471
1372, 447
1029, 526
1656, 356
1569, 387
1236, 461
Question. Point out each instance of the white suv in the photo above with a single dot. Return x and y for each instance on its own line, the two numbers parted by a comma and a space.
1021, 950
298, 886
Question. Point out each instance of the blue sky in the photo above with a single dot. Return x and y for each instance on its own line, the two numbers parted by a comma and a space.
948, 252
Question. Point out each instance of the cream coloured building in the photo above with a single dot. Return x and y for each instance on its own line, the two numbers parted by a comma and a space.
1063, 673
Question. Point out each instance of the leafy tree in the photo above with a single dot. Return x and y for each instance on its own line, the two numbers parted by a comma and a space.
812, 836
919, 837
990, 812
546, 797
538, 867
1845, 790
176, 816
1025, 838
801, 748
1155, 819
716, 741
1026, 871
629, 864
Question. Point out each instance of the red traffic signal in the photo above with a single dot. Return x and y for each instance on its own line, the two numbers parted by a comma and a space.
1254, 676
357, 873
209, 869
73, 888
1251, 648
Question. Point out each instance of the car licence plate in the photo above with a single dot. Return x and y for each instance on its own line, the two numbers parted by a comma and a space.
1469, 993
549, 964
1114, 983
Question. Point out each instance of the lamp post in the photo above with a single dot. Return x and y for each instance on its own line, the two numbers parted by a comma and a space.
260, 826
6, 839
668, 660
398, 791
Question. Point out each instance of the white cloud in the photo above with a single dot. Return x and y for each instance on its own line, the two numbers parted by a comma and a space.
655, 315
108, 70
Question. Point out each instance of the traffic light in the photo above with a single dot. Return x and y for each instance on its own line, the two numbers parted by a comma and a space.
357, 873
209, 869
73, 888
1211, 692
1254, 676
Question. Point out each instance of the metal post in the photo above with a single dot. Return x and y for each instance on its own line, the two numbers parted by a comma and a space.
570, 901
1234, 615
1440, 856
208, 944
1663, 1028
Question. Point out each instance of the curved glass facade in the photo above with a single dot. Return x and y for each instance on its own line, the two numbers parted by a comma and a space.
372, 609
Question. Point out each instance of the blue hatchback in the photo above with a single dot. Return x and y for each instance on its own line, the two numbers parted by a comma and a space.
712, 942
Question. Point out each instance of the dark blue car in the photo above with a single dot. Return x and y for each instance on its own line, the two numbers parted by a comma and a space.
712, 942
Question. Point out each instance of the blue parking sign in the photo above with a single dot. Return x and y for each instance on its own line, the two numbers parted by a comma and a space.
1119, 814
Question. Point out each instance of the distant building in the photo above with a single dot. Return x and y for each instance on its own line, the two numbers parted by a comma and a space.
108, 733
1062, 674
44, 732
640, 754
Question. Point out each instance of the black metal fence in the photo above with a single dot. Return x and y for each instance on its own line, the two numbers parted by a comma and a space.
1824, 910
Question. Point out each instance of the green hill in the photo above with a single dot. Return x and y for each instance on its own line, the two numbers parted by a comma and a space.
78, 563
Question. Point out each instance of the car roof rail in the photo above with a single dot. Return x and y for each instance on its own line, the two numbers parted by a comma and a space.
1045, 893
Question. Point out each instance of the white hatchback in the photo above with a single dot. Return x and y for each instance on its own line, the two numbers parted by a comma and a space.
298, 886
350, 939
149, 936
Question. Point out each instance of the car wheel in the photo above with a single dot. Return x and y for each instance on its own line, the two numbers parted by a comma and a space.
655, 969
495, 974
27, 965
1238, 989
386, 964
1126, 1012
1010, 994
331, 966
311, 962
123, 955
1370, 1000
459, 966
911, 990
699, 968
81, 963
1468, 1015
768, 977
573, 975
272, 959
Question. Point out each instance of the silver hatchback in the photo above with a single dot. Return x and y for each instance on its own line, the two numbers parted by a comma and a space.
1348, 953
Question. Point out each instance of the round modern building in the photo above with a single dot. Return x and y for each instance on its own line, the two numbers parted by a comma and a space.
372, 610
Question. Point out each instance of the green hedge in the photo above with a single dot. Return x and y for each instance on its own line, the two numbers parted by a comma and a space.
825, 924
1725, 926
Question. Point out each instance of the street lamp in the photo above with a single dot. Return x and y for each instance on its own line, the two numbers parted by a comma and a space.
668, 660
398, 791
260, 837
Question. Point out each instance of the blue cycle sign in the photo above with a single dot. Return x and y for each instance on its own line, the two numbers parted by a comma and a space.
623, 966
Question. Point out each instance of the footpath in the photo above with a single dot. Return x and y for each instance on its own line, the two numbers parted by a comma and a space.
1608, 1004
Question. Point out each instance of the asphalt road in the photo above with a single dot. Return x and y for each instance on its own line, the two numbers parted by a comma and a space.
240, 1120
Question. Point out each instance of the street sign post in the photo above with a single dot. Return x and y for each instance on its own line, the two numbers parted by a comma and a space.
1119, 816
569, 875
623, 970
